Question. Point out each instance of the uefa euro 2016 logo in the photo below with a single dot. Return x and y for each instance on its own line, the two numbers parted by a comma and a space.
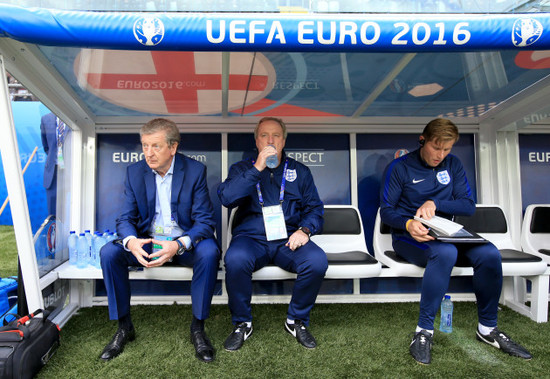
400, 153
149, 30
50, 240
526, 32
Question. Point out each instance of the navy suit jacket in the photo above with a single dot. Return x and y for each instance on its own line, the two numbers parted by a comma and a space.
190, 204
48, 130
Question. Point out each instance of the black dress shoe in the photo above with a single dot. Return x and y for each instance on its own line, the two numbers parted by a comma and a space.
203, 348
115, 347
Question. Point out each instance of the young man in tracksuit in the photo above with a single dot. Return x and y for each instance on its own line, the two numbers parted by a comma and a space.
278, 210
426, 182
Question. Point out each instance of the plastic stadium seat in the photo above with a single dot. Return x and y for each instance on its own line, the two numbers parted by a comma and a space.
489, 221
535, 231
343, 240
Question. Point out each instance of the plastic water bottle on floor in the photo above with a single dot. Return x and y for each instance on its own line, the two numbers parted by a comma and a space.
83, 251
71, 244
446, 323
272, 160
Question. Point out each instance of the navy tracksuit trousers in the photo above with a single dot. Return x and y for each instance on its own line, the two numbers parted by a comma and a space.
439, 258
246, 255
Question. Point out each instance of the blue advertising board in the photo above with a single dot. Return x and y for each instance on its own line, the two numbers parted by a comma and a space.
534, 157
275, 31
26, 117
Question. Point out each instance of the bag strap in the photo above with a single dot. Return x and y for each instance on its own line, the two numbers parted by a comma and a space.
14, 317
23, 320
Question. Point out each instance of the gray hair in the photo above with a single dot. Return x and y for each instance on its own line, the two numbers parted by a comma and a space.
162, 124
277, 120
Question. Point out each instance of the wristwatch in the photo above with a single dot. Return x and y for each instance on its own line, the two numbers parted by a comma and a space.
306, 230
181, 248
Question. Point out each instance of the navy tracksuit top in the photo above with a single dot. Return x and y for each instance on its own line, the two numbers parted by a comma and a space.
408, 182
301, 206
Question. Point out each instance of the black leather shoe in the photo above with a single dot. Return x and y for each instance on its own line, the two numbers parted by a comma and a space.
203, 348
115, 347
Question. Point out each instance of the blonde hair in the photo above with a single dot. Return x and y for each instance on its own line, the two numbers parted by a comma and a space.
440, 129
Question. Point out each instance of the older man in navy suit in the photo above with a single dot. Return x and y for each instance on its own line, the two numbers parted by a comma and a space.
167, 216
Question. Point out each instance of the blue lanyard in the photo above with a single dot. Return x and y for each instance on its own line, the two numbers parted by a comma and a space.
281, 193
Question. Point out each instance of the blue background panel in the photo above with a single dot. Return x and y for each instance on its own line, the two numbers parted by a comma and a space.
534, 156
26, 116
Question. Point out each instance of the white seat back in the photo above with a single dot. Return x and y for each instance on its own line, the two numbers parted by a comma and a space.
535, 231
342, 228
491, 223
382, 241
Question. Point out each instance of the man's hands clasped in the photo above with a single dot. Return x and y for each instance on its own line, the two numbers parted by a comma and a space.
169, 249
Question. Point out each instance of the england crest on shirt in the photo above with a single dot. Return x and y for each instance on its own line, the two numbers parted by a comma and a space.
291, 175
443, 177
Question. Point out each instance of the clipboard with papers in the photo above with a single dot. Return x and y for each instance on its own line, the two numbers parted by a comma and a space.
445, 230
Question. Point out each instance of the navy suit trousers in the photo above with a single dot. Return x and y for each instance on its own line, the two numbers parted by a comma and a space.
439, 258
51, 195
246, 255
204, 259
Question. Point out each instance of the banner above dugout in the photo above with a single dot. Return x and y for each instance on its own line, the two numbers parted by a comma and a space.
276, 31
317, 65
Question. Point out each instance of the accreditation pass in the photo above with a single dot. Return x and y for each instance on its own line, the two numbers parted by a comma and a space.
274, 222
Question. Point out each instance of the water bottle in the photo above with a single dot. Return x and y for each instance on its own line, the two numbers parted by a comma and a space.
71, 243
446, 323
272, 161
97, 244
82, 250
101, 242
107, 236
89, 239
